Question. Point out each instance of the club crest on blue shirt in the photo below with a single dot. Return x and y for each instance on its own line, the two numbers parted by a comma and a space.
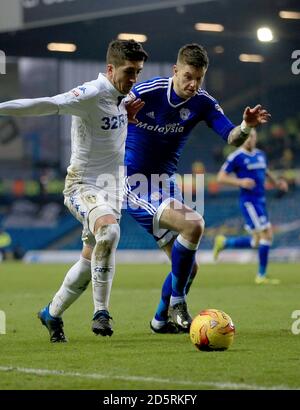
184, 113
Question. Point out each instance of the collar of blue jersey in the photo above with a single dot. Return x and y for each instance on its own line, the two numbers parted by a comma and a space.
250, 153
174, 98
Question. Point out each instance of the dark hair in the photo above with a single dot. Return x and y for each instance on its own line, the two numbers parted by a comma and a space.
193, 54
120, 50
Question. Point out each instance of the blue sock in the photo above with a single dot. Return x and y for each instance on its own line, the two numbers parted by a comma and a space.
238, 242
183, 258
263, 256
178, 282
163, 306
189, 282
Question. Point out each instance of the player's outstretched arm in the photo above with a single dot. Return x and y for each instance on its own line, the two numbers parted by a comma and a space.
29, 107
252, 117
74, 102
224, 178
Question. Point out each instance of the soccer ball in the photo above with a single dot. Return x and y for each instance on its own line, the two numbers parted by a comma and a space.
212, 329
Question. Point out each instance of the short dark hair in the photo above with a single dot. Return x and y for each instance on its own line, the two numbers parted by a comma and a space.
120, 50
193, 54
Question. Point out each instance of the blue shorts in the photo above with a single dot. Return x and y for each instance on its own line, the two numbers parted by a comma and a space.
146, 201
255, 215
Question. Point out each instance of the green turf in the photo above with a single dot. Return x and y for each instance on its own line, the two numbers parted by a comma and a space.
265, 352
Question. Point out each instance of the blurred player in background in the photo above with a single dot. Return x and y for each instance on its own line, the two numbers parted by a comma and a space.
173, 107
94, 182
250, 167
5, 243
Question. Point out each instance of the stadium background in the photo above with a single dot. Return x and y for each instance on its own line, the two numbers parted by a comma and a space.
35, 152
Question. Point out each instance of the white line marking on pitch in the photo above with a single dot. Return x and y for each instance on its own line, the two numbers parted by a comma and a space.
99, 376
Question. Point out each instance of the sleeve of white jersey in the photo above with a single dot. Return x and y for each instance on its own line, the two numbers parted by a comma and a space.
29, 107
74, 102
77, 101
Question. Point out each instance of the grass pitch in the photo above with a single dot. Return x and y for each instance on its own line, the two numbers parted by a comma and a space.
265, 353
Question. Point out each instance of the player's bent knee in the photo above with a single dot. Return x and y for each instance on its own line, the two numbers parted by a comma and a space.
99, 217
202, 223
265, 241
197, 227
107, 238
266, 236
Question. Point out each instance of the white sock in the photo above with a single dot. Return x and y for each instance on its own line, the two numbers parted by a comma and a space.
158, 324
74, 284
176, 299
103, 265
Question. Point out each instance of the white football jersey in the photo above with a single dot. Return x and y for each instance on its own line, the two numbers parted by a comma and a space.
98, 133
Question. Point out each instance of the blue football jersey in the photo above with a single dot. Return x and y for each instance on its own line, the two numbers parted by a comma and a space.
252, 165
154, 144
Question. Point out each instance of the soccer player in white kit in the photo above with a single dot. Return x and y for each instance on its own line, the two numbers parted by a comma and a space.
94, 182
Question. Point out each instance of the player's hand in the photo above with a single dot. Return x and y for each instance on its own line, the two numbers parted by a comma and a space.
247, 183
133, 107
282, 185
255, 116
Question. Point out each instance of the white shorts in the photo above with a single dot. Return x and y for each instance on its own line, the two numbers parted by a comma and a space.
88, 203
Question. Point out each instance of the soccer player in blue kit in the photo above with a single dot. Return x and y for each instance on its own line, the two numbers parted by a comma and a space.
250, 168
173, 107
